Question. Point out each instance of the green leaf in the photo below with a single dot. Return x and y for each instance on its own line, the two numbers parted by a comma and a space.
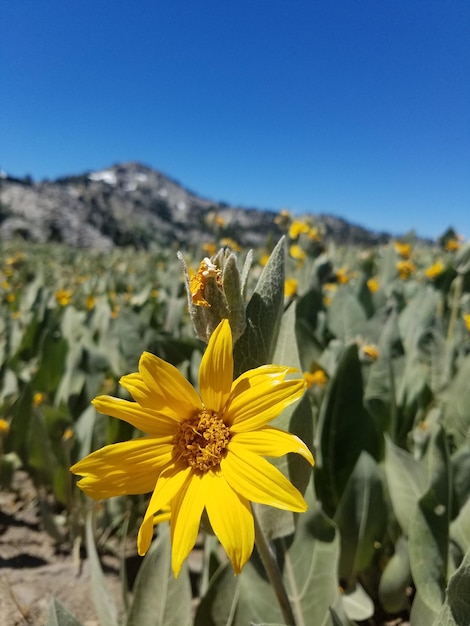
406, 480
460, 528
456, 609
310, 567
309, 339
58, 615
104, 604
346, 317
457, 404
171, 606
358, 604
429, 526
361, 518
263, 315
345, 429
396, 578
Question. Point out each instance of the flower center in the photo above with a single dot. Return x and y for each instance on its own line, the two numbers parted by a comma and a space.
202, 440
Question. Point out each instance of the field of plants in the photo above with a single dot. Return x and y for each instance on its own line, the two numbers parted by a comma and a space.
381, 337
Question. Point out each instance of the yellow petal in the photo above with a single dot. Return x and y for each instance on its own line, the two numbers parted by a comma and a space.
216, 370
231, 519
170, 481
258, 405
186, 511
258, 376
269, 441
128, 467
253, 477
170, 392
143, 419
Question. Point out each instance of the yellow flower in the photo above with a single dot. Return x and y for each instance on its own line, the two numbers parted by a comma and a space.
197, 283
209, 248
4, 427
290, 287
314, 234
466, 319
264, 259
68, 434
405, 269
403, 249
452, 244
373, 285
227, 242
90, 302
203, 450
11, 297
297, 228
63, 297
371, 352
317, 378
434, 270
38, 398
297, 253
342, 276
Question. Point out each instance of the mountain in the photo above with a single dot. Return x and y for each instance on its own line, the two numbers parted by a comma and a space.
131, 204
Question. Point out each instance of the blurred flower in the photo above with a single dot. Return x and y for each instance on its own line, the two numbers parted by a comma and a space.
297, 252
370, 351
434, 270
466, 319
264, 259
317, 378
290, 287
405, 269
283, 219
115, 312
373, 285
4, 427
227, 242
342, 276
11, 297
403, 249
90, 302
68, 434
154, 293
209, 248
38, 398
203, 451
63, 297
297, 228
314, 234
452, 244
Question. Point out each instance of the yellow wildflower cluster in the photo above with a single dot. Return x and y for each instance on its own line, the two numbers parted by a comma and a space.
63, 297
434, 270
466, 319
373, 284
290, 287
403, 249
405, 269
318, 378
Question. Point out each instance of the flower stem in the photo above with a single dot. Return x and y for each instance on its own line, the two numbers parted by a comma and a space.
268, 558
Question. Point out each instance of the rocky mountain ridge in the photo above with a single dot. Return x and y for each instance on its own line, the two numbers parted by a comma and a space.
132, 204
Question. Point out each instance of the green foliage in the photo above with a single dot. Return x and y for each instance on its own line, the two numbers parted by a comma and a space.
388, 525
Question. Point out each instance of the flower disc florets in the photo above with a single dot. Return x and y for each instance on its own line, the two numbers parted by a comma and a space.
202, 440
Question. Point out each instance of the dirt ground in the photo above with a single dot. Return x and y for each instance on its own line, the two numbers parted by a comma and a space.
33, 570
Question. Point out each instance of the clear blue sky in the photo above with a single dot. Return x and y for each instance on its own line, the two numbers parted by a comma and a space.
360, 108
